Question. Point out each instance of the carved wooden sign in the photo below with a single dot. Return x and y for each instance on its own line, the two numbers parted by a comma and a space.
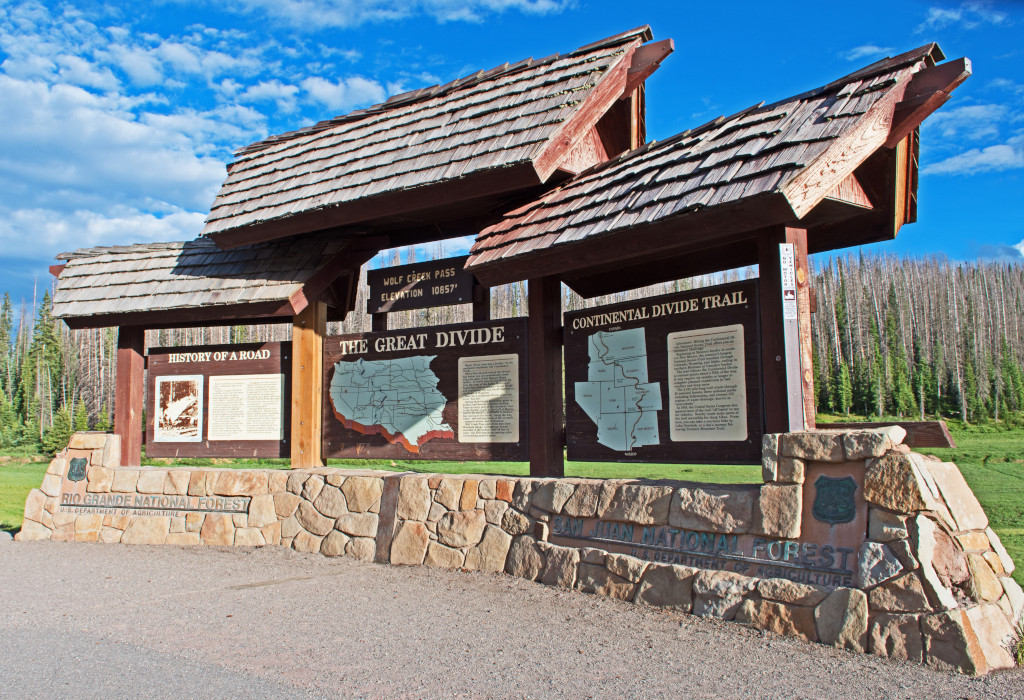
419, 285
455, 392
674, 378
218, 401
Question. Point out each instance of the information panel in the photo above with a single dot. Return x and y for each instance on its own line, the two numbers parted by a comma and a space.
674, 378
419, 285
445, 392
218, 401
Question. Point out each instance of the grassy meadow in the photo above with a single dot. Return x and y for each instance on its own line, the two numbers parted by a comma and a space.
990, 458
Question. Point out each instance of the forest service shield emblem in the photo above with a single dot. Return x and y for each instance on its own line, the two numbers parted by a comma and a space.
833, 500
76, 472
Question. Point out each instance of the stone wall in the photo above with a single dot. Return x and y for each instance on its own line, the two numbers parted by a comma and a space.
853, 540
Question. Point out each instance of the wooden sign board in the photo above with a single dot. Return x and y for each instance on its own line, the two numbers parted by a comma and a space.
674, 378
419, 285
219, 401
456, 392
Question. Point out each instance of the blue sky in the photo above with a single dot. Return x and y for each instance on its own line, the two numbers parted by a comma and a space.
117, 119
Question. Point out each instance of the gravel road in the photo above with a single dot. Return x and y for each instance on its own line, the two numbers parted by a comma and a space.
90, 620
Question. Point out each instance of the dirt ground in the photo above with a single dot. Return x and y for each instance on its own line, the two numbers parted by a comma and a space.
110, 620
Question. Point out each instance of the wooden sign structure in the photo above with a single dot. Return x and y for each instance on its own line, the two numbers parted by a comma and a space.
453, 392
673, 378
422, 286
219, 401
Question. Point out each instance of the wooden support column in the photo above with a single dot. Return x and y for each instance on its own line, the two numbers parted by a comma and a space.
803, 307
131, 348
308, 330
545, 374
481, 302
781, 401
379, 322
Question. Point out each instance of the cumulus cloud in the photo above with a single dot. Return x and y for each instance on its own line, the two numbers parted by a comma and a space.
344, 95
968, 15
866, 51
999, 157
971, 122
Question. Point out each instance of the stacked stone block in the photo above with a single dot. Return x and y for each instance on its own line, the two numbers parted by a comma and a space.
932, 585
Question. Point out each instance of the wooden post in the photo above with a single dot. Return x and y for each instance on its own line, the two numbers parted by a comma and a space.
779, 402
545, 373
308, 330
481, 302
131, 348
803, 305
379, 322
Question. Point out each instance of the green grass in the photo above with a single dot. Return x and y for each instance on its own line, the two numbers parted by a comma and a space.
16, 480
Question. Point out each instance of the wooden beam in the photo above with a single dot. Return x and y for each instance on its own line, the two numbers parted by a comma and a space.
544, 346
646, 60
55, 270
849, 191
308, 330
926, 433
777, 395
481, 302
929, 89
803, 308
128, 393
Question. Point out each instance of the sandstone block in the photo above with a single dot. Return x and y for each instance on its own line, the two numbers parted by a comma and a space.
444, 557
88, 440
237, 482
87, 528
790, 471
960, 499
249, 537
409, 545
666, 586
151, 481
32, 531
111, 535
51, 485
897, 637
111, 454
306, 542
125, 481
788, 620
640, 504
262, 511
147, 529
525, 560
61, 519
334, 479
815, 446
435, 512
277, 481
197, 483
413, 499
865, 444
470, 491
240, 519
285, 504
777, 511
884, 526
951, 643
552, 495
218, 529
629, 568
769, 456
842, 619
487, 489
311, 487
177, 482
461, 529
600, 581
494, 511
331, 502
449, 493
903, 594
290, 527
63, 533
560, 567
58, 466
358, 524
99, 480
522, 493
177, 524
998, 548
994, 634
503, 490
894, 481
272, 532
719, 593
1014, 597
984, 584
181, 539
311, 519
583, 502
362, 493
193, 522
790, 592
296, 480
361, 548
942, 564
718, 510
334, 544
992, 559
876, 563
490, 554
34, 505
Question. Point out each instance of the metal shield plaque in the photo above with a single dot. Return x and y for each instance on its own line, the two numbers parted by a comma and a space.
833, 500
76, 472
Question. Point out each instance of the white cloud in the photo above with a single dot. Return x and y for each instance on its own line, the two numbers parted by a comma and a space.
866, 51
1004, 156
968, 15
271, 91
972, 122
344, 95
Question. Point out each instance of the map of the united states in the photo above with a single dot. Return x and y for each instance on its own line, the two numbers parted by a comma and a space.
397, 399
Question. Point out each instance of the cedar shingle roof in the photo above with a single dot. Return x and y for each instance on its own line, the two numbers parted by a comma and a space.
140, 282
487, 122
786, 149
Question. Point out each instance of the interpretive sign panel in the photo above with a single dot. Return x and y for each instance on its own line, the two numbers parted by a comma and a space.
674, 378
218, 401
419, 285
444, 392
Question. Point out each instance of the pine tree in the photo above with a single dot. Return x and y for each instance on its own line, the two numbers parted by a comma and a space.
81, 417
